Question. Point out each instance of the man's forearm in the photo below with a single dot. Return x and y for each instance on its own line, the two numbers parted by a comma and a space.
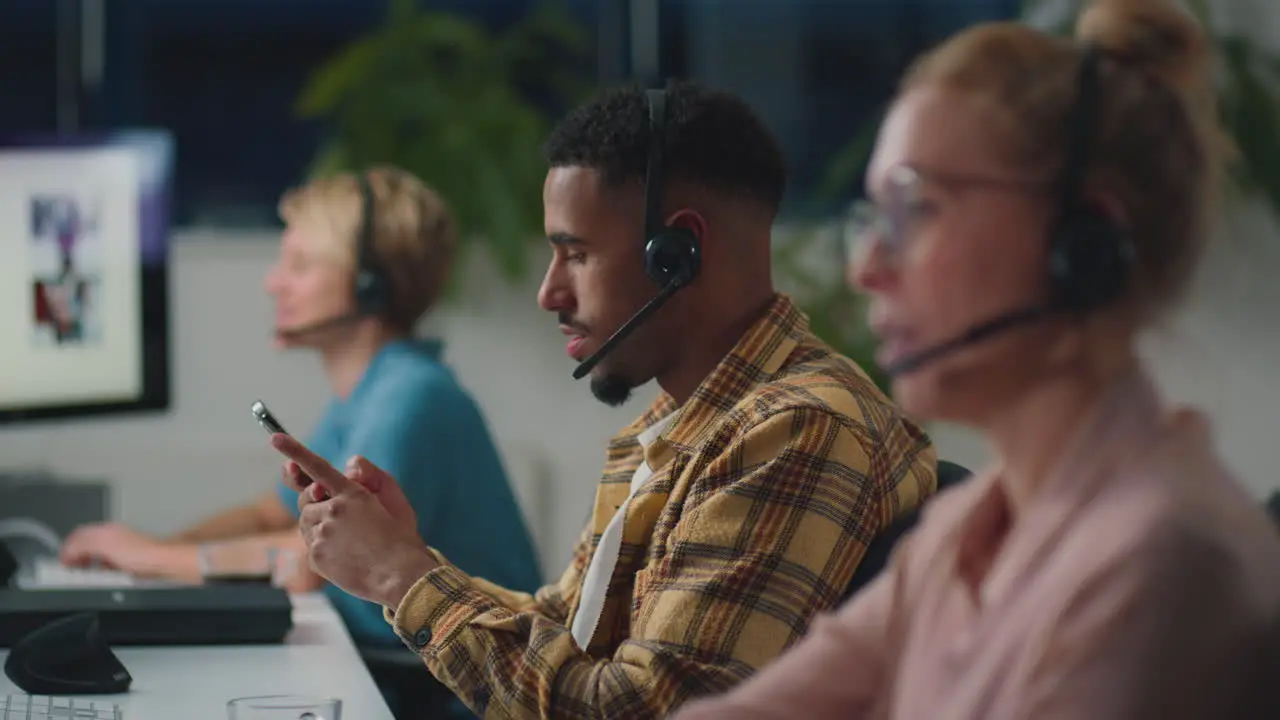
403, 574
548, 601
469, 640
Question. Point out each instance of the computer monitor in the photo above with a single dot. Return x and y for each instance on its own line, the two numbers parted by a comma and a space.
84, 234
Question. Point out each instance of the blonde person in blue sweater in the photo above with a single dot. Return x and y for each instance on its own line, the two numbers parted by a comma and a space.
362, 259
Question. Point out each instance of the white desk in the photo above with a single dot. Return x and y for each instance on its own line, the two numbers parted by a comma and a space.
195, 683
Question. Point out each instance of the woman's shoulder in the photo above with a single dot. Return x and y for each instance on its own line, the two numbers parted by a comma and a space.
418, 396
410, 378
1179, 515
1192, 492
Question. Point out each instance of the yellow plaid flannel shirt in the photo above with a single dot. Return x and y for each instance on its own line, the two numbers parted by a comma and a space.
766, 489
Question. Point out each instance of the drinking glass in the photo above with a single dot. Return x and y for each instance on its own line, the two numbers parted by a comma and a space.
284, 707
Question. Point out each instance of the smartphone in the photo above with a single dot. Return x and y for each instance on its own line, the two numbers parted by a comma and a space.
267, 420
273, 426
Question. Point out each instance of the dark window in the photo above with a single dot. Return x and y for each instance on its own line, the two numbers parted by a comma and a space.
223, 75
28, 66
818, 71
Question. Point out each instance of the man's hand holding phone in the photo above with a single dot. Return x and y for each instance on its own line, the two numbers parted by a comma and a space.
359, 470
373, 478
360, 530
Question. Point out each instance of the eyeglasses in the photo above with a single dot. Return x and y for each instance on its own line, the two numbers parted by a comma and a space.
891, 223
887, 224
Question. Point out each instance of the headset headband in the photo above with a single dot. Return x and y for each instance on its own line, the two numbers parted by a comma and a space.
653, 175
1081, 128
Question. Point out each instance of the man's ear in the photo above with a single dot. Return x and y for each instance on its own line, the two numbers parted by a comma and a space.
690, 220
1110, 206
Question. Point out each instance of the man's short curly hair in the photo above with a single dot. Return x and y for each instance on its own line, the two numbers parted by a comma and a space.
713, 140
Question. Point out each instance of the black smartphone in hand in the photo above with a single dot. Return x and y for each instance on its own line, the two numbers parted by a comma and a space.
266, 419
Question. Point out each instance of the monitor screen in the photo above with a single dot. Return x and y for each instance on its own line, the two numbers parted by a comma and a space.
83, 274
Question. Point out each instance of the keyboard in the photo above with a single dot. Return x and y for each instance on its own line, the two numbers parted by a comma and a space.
41, 707
49, 574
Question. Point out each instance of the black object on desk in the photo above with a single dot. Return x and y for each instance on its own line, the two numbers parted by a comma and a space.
208, 615
8, 565
67, 657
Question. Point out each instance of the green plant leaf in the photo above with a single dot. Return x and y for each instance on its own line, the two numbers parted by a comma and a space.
846, 167
803, 264
1251, 114
442, 97
1200, 8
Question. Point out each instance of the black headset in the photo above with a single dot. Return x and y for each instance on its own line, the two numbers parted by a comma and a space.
1090, 256
370, 286
671, 254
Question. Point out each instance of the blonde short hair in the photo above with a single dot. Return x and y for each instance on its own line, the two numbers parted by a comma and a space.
414, 234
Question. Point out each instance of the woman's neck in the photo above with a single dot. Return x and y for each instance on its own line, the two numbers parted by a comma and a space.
1030, 435
345, 364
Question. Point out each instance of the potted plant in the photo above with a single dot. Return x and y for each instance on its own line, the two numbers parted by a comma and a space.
452, 102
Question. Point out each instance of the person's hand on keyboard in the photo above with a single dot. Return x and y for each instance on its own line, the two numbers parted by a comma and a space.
115, 547
48, 573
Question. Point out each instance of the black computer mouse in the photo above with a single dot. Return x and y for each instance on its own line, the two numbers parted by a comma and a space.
67, 657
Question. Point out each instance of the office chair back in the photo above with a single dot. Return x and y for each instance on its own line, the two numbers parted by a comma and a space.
877, 555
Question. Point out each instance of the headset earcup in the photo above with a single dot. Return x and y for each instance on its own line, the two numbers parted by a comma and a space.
1090, 261
673, 254
1062, 271
370, 300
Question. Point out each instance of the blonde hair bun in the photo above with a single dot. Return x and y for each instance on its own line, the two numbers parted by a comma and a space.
1156, 36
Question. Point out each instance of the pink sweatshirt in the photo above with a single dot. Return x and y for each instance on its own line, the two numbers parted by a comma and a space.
1141, 582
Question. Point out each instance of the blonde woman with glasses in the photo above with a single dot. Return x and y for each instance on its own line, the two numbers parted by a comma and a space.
1039, 202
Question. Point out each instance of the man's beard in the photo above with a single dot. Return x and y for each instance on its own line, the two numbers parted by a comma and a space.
611, 389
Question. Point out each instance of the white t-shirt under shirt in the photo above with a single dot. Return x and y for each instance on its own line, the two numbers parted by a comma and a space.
595, 583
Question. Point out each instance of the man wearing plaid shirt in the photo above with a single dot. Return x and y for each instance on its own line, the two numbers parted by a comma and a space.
735, 509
